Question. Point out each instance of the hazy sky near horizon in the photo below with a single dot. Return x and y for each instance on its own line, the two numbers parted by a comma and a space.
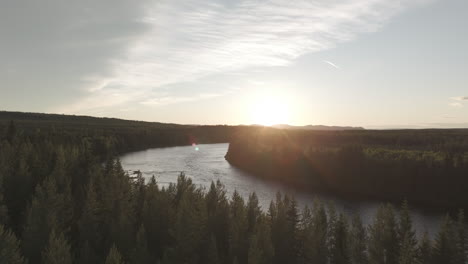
370, 63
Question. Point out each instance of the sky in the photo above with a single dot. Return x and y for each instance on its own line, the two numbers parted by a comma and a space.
369, 63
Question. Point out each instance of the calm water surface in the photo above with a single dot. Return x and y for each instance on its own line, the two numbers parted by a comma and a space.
206, 163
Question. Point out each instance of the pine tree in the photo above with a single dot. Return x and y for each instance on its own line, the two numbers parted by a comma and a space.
158, 217
218, 217
118, 206
408, 253
114, 256
255, 253
57, 250
253, 212
261, 249
461, 245
383, 237
48, 211
140, 253
10, 248
190, 228
305, 222
445, 247
18, 186
212, 252
339, 250
425, 249
358, 241
238, 229
407, 237
3, 208
331, 243
89, 226
87, 255
281, 238
292, 219
313, 246
11, 132
5, 168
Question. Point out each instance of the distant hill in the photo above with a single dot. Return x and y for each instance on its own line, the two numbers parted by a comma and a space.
317, 127
38, 119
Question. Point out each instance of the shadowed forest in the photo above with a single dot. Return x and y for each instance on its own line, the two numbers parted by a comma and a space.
426, 167
64, 198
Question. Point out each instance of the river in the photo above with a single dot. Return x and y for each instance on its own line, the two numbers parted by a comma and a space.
205, 163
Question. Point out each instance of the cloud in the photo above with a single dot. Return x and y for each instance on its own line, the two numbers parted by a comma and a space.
165, 100
460, 98
190, 40
115, 53
456, 104
448, 117
331, 64
458, 101
59, 51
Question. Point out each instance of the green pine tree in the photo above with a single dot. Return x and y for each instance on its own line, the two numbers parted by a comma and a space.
87, 255
18, 185
57, 251
3, 208
445, 246
212, 252
339, 250
383, 238
461, 242
11, 132
114, 256
313, 246
140, 253
48, 211
255, 253
407, 237
253, 212
425, 249
158, 216
261, 249
118, 207
10, 248
408, 253
89, 227
358, 241
238, 229
190, 228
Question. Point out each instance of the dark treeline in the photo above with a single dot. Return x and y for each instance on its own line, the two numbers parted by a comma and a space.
427, 167
59, 203
65, 199
111, 135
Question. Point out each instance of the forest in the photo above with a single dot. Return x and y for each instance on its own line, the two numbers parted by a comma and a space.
427, 167
111, 136
64, 198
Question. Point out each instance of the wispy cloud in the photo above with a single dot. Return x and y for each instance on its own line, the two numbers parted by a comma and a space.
456, 104
165, 100
63, 51
331, 64
458, 101
460, 98
189, 40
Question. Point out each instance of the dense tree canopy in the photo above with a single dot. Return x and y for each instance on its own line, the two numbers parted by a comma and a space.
427, 167
65, 199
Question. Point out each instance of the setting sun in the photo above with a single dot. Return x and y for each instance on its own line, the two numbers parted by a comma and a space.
269, 111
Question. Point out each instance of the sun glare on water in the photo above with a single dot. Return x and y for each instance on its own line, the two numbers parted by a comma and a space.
269, 111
